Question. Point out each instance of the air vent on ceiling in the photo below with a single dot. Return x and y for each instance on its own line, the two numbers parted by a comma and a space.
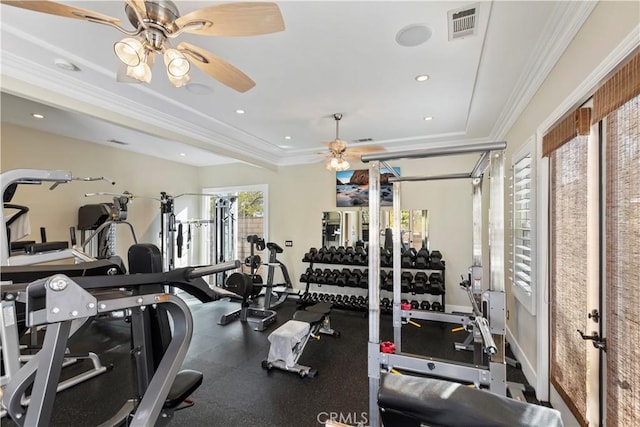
463, 22
363, 140
115, 141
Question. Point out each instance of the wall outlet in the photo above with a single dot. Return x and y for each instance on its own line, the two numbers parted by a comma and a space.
288, 243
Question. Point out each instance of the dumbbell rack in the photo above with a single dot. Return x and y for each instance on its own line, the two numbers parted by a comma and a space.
422, 292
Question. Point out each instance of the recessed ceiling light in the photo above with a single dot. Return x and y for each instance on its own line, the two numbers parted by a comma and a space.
287, 137
239, 111
413, 35
427, 118
422, 77
183, 154
37, 116
63, 64
284, 146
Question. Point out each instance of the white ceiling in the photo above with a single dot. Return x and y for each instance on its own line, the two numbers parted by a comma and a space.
333, 57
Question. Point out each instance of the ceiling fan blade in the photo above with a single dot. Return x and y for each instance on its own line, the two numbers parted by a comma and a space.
59, 9
138, 5
235, 19
364, 150
217, 68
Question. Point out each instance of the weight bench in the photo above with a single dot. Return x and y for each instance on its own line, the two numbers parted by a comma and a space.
289, 340
407, 401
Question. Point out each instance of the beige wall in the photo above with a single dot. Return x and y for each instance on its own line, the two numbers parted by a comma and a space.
57, 210
607, 26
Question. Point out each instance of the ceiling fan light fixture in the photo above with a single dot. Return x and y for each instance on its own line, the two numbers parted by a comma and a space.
179, 81
140, 72
130, 51
177, 64
338, 164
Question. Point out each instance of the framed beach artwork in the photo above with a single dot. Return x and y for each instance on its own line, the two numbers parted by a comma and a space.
352, 188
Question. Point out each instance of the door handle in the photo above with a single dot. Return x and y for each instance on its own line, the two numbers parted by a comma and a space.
597, 341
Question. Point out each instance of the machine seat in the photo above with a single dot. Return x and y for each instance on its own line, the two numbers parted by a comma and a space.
414, 401
186, 382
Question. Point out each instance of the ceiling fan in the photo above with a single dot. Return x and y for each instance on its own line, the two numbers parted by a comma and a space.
157, 22
338, 150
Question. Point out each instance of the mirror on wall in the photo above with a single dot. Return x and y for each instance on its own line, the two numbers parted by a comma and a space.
348, 227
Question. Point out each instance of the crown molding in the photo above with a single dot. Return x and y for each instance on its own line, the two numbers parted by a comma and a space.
566, 20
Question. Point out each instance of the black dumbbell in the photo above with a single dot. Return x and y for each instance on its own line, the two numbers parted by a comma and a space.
364, 279
415, 305
360, 256
386, 258
321, 279
331, 277
314, 297
405, 281
436, 306
385, 305
353, 302
436, 262
308, 257
354, 278
422, 259
435, 277
317, 257
424, 305
304, 277
421, 277
408, 258
435, 289
312, 277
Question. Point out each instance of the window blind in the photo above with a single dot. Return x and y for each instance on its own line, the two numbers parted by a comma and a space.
568, 279
622, 232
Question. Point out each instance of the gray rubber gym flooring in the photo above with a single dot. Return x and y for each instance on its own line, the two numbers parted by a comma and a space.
236, 390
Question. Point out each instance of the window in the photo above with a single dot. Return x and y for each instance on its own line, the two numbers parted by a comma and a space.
523, 227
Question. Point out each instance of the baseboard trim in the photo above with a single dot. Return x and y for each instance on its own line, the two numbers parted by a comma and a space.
527, 368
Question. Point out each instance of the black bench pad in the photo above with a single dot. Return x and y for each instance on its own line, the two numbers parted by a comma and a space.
320, 307
186, 382
415, 401
308, 316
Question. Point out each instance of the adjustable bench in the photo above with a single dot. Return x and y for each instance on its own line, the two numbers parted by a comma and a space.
407, 401
289, 340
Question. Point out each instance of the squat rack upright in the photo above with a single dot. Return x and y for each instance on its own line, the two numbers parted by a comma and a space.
491, 158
